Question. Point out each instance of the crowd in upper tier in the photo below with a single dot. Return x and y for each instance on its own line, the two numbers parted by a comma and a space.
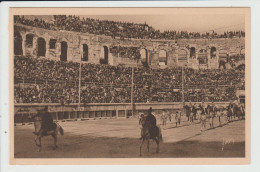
48, 81
117, 29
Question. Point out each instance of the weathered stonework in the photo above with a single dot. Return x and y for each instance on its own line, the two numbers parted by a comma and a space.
96, 48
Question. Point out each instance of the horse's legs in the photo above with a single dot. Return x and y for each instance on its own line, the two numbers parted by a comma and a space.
39, 139
148, 145
141, 147
157, 140
40, 143
54, 135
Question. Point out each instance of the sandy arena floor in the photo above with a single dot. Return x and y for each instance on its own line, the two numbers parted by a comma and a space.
119, 138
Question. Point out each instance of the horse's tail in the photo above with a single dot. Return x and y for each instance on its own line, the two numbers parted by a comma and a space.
61, 131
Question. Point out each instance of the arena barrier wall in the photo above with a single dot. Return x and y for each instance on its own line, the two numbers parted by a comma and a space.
23, 113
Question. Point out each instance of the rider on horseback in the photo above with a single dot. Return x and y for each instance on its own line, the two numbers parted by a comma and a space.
47, 121
151, 120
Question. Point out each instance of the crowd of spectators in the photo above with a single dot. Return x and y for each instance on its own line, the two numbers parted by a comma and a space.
117, 29
49, 81
232, 60
126, 52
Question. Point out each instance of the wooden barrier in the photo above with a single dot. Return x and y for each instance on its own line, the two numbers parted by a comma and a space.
25, 112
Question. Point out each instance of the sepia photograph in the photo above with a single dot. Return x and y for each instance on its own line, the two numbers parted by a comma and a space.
99, 84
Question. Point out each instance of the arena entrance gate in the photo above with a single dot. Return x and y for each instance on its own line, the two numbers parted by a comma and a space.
41, 47
64, 49
18, 49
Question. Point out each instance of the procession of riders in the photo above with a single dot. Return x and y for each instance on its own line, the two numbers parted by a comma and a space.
206, 113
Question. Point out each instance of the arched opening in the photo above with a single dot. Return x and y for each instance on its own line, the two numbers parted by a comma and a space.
29, 40
63, 49
41, 47
18, 48
162, 58
52, 43
104, 53
85, 52
144, 56
213, 52
192, 52
182, 57
203, 56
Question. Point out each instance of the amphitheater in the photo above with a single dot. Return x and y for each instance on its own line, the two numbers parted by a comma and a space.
83, 76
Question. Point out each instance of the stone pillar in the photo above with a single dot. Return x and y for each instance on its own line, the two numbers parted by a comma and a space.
47, 47
116, 114
34, 48
23, 44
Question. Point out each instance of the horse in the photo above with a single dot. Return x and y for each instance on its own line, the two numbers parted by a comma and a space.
146, 135
239, 111
39, 134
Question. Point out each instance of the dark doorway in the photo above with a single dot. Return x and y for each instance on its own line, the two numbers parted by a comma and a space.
18, 49
85, 52
41, 47
29, 40
144, 57
106, 54
64, 49
213, 51
192, 53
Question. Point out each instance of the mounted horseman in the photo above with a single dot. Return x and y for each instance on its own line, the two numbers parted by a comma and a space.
44, 126
150, 130
151, 121
47, 122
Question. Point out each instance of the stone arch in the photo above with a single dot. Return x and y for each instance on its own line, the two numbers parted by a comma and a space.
213, 52
85, 52
18, 41
63, 51
162, 57
182, 56
41, 47
203, 56
29, 40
